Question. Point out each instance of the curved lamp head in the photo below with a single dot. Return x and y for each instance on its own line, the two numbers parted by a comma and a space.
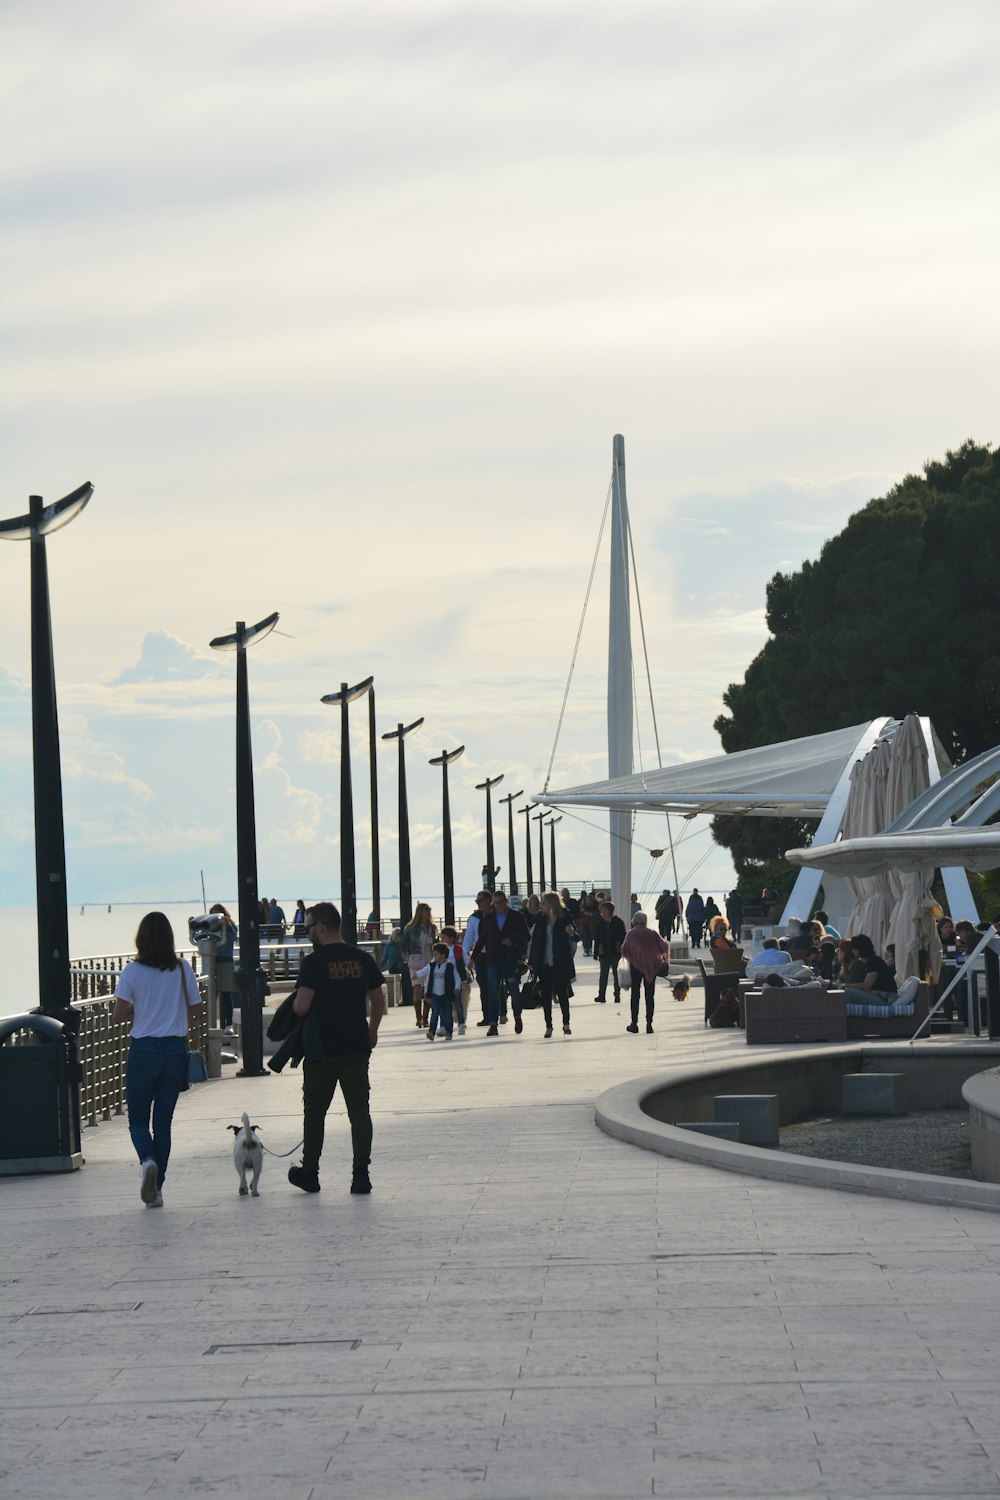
348, 694
41, 519
447, 756
512, 797
402, 731
554, 820
245, 637
484, 786
527, 809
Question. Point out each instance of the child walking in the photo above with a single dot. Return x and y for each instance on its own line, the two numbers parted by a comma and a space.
442, 982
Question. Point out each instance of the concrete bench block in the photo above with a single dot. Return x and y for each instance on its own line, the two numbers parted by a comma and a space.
756, 1115
873, 1094
680, 950
723, 1130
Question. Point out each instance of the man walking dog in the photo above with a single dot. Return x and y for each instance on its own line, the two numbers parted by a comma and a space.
336, 979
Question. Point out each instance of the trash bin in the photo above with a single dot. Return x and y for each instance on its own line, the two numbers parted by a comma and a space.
39, 1097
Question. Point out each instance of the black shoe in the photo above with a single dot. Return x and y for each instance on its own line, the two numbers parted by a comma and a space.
649, 1031
361, 1182
632, 1028
493, 1031
518, 1025
504, 1020
618, 999
482, 1023
600, 1000
300, 1178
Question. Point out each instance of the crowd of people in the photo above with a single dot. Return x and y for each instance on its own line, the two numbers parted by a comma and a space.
518, 960
521, 960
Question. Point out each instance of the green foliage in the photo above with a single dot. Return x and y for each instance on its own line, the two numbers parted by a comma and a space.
899, 613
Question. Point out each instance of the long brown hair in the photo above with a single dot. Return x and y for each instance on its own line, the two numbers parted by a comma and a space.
154, 942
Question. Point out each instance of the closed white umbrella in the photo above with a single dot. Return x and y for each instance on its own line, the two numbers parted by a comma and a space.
911, 924
873, 905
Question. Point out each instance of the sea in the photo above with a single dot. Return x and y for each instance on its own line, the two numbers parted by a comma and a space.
102, 930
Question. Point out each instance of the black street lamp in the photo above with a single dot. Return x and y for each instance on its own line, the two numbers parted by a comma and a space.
541, 849
444, 760
511, 866
405, 880
552, 849
54, 990
491, 873
373, 771
249, 975
348, 873
525, 813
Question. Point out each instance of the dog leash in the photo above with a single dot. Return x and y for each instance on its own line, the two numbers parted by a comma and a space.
280, 1154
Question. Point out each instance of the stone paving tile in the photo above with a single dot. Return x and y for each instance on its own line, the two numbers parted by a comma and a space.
543, 1311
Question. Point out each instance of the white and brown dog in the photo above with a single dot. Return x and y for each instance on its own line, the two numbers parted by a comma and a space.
248, 1155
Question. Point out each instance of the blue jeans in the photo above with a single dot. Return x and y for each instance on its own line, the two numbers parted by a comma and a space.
442, 1012
155, 1074
494, 974
858, 996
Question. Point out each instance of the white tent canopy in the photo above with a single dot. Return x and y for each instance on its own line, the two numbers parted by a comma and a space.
793, 779
953, 847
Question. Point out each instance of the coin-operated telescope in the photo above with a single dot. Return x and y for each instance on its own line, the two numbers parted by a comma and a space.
207, 932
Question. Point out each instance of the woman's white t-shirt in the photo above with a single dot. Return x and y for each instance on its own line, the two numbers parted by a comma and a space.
160, 1006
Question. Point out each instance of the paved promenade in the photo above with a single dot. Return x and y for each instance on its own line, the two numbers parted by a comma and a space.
524, 1308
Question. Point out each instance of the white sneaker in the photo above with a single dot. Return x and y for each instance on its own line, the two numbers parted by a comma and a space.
147, 1183
156, 1202
446, 1036
461, 1029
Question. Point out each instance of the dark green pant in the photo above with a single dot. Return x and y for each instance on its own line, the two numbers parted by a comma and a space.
319, 1084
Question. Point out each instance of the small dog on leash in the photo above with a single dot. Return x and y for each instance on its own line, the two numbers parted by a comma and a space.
681, 988
248, 1155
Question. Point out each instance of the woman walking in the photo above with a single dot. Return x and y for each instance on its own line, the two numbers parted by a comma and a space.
416, 944
160, 993
551, 960
647, 956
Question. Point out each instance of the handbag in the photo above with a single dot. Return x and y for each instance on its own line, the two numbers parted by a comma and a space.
530, 997
197, 1068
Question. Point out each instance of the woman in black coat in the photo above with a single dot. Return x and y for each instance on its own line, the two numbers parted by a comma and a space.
551, 959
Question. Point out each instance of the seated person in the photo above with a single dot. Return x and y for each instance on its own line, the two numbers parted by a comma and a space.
850, 969
946, 935
390, 959
772, 957
879, 984
718, 934
889, 954
799, 939
821, 916
829, 961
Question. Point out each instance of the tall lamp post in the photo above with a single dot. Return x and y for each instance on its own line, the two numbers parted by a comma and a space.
405, 880
484, 786
551, 825
541, 849
511, 866
249, 975
525, 813
54, 991
444, 760
373, 771
348, 872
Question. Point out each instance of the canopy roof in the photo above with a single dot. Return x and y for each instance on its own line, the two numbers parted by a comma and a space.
794, 779
921, 849
923, 836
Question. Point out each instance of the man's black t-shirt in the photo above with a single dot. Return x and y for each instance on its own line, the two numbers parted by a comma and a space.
885, 980
341, 976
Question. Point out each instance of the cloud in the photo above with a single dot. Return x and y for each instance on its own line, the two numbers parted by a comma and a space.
164, 658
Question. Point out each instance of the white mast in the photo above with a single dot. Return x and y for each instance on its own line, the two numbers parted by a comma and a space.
620, 684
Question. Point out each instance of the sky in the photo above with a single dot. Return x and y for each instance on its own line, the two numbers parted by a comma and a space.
339, 308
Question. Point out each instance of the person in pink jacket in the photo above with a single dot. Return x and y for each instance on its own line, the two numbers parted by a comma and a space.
647, 956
